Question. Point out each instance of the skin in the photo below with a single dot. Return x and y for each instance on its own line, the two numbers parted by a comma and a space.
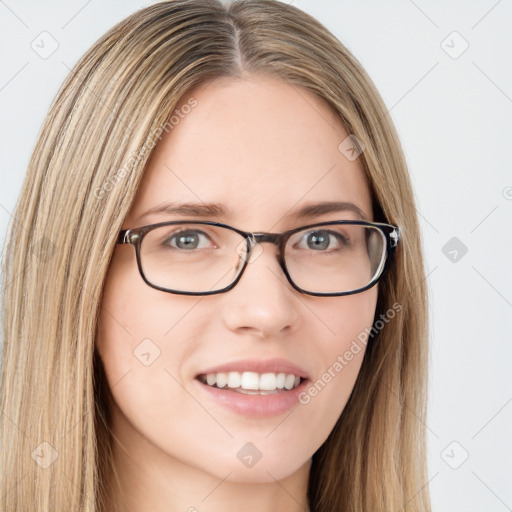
261, 148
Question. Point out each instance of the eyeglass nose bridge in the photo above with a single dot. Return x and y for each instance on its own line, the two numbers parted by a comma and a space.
273, 238
258, 238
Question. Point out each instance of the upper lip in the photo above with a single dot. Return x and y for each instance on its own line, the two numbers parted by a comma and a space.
276, 365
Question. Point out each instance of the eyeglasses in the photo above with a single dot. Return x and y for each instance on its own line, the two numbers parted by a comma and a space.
204, 258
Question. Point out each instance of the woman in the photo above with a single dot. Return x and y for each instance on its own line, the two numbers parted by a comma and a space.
215, 364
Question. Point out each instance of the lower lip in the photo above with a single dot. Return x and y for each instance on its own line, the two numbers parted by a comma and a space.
256, 405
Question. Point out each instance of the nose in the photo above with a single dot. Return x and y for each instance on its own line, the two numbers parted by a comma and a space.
263, 302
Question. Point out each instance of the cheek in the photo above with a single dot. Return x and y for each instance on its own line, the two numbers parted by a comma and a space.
340, 355
142, 332
344, 318
142, 341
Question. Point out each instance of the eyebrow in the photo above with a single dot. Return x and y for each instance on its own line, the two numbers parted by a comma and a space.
204, 210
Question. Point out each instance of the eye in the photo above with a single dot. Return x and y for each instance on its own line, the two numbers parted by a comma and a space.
320, 240
187, 240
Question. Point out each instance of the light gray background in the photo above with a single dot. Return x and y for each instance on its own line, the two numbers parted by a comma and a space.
453, 114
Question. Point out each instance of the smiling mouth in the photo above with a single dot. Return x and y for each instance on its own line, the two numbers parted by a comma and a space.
242, 392
275, 384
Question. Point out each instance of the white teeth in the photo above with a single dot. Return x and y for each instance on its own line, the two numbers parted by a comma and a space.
221, 379
252, 380
289, 382
233, 380
281, 377
249, 380
268, 381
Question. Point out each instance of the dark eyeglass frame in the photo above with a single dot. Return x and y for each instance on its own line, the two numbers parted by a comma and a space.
136, 235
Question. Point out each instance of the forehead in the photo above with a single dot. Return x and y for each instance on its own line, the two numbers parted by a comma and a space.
257, 145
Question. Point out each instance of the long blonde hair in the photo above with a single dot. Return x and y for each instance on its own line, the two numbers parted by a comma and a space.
82, 177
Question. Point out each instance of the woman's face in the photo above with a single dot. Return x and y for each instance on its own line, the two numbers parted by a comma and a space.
263, 150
